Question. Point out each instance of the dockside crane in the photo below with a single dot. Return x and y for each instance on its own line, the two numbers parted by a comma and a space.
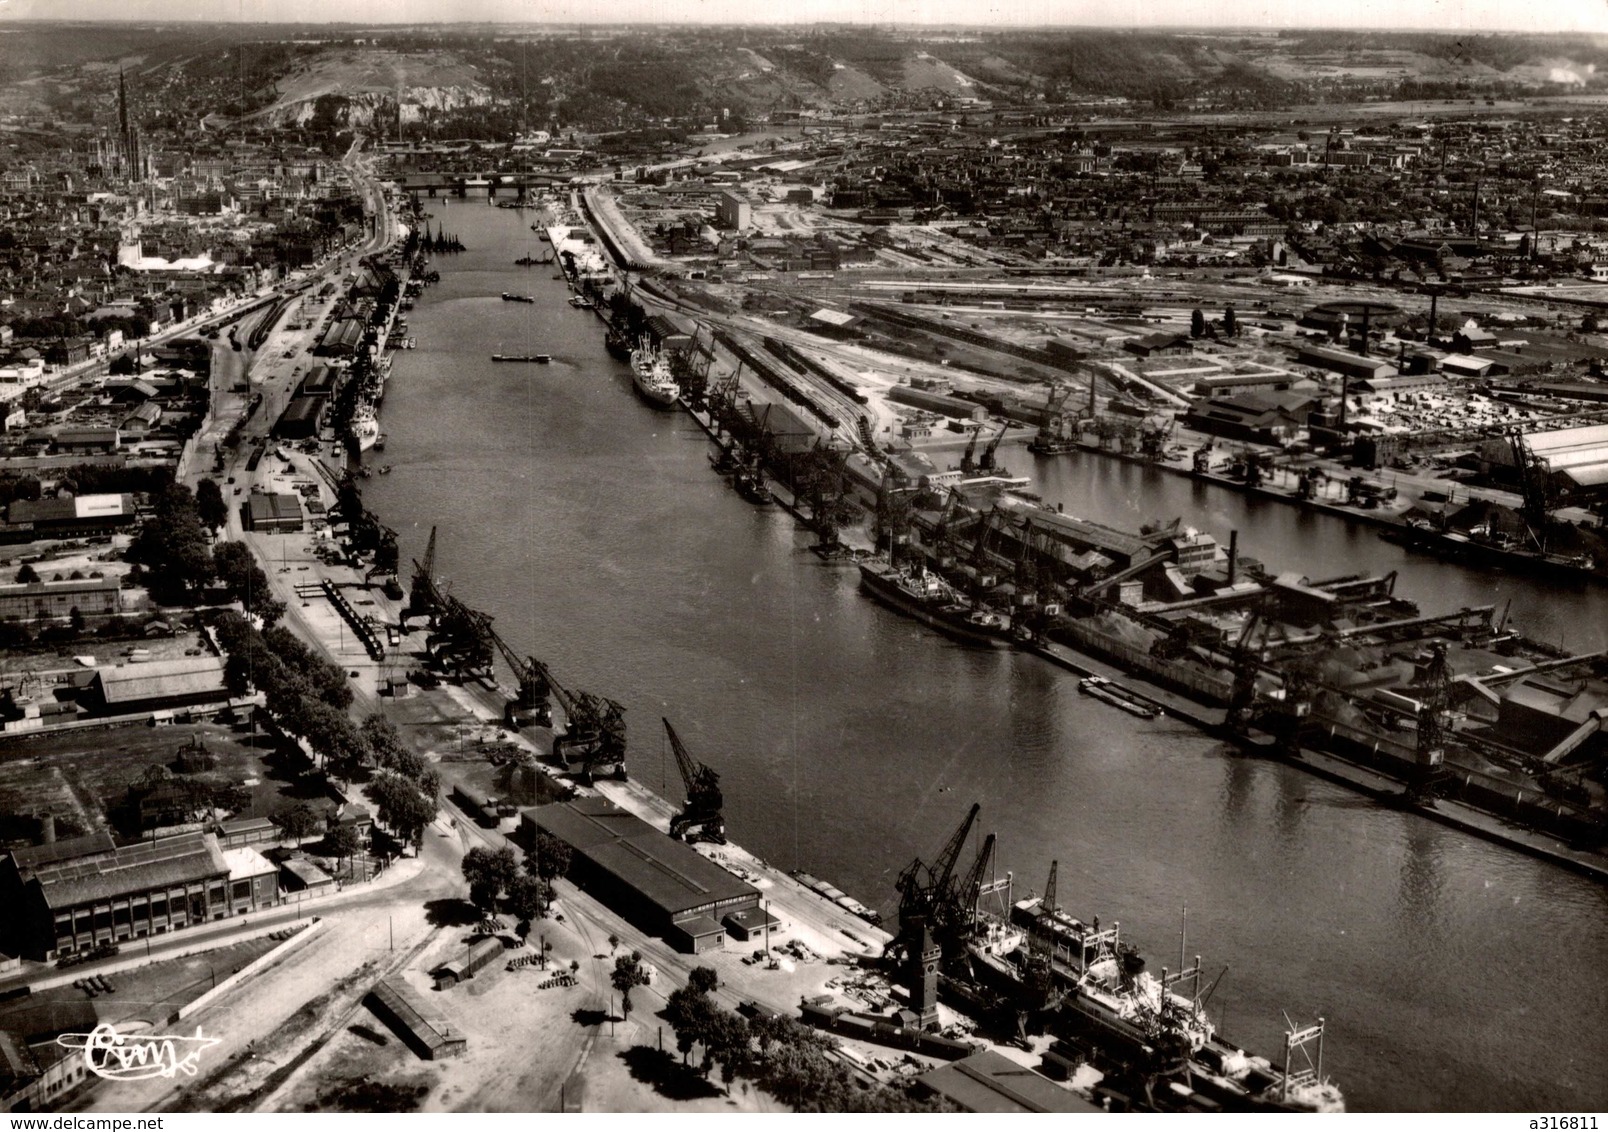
982, 576
957, 913
424, 599
1435, 696
594, 729
942, 549
702, 816
532, 706
1052, 438
923, 887
968, 462
985, 462
1535, 482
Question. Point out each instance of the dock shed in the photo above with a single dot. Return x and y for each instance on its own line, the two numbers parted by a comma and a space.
160, 686
991, 1082
624, 861
274, 512
423, 1027
475, 957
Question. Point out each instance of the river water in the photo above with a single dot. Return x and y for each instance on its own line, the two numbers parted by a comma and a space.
1454, 975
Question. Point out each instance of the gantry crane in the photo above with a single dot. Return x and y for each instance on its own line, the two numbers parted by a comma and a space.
701, 817
593, 736
532, 705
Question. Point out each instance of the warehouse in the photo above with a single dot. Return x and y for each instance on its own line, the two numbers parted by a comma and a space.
642, 873
1578, 455
72, 895
933, 402
474, 957
1342, 362
302, 418
57, 600
273, 513
423, 1027
73, 517
163, 685
988, 1081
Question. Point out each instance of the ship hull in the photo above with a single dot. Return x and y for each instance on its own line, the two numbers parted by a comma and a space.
882, 586
1484, 554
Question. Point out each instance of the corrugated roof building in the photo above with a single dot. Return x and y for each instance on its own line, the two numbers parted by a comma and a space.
132, 689
664, 884
991, 1082
74, 895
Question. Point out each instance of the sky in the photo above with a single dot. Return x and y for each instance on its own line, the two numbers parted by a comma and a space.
1514, 15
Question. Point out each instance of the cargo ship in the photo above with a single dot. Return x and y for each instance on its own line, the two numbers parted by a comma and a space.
651, 376
617, 344
1114, 1007
930, 600
1481, 550
365, 428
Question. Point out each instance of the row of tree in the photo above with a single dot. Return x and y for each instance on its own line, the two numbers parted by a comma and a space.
496, 880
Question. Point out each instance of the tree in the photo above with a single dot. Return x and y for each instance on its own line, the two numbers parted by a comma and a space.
551, 859
296, 822
702, 980
614, 943
528, 897
1588, 325
172, 545
342, 841
1197, 323
209, 505
488, 872
1230, 323
383, 739
628, 973
402, 807
29, 574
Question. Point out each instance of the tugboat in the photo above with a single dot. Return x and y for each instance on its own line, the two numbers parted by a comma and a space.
510, 297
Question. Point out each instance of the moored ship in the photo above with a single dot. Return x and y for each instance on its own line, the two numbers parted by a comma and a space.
929, 599
510, 297
650, 373
365, 428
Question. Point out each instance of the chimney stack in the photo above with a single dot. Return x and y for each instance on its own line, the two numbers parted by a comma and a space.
1434, 301
1233, 555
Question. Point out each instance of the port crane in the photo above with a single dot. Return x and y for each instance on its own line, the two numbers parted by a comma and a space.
1434, 701
594, 729
985, 462
424, 598
701, 817
1535, 482
924, 890
1052, 438
968, 461
532, 704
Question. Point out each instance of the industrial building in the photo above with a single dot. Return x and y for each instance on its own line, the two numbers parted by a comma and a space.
663, 884
29, 601
302, 418
732, 211
1344, 363
72, 895
163, 685
991, 1082
425, 1029
273, 513
476, 956
1578, 455
253, 880
1269, 418
79, 516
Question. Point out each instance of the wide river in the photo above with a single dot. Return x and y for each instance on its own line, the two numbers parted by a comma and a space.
1454, 974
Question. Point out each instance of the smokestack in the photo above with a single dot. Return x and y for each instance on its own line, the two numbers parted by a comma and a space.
1434, 301
1474, 218
1363, 348
47, 829
1233, 555
1345, 389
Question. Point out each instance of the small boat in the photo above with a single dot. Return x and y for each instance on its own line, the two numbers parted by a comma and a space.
539, 359
580, 302
509, 297
1116, 695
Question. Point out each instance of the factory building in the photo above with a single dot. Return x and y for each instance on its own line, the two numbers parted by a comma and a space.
1344, 363
732, 211
79, 516
1578, 455
27, 601
663, 884
72, 895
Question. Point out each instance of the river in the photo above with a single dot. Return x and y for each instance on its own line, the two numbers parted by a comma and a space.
1454, 974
